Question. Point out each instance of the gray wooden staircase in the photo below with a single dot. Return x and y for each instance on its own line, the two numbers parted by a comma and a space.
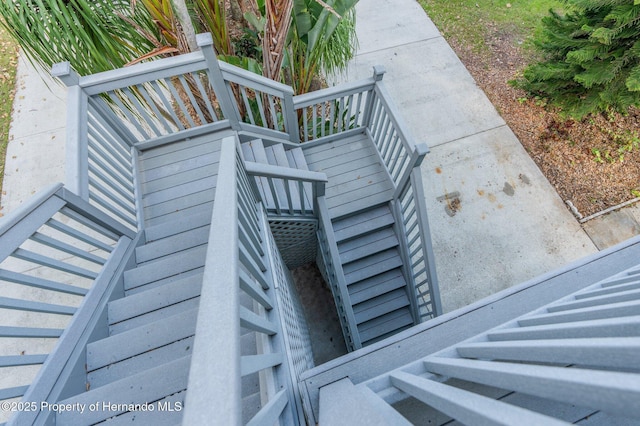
368, 246
146, 356
373, 272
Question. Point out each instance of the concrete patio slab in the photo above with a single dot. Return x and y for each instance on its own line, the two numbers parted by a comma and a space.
495, 219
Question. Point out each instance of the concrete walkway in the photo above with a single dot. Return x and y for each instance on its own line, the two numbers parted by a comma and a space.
36, 151
495, 219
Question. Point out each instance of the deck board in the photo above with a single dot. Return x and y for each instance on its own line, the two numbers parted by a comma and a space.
357, 178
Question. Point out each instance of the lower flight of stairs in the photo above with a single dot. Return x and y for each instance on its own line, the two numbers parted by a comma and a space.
373, 271
146, 358
369, 253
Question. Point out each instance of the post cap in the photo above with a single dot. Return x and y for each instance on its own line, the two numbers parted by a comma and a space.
66, 74
378, 72
204, 39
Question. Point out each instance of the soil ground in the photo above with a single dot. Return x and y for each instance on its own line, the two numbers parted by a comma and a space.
594, 163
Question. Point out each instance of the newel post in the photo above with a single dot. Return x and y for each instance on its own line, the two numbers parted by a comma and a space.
227, 104
378, 74
77, 148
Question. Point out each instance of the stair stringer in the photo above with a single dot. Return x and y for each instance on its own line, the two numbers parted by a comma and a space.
331, 269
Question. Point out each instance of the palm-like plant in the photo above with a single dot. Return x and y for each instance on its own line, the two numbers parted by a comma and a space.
91, 34
323, 39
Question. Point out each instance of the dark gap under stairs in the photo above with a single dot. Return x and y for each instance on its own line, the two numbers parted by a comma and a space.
320, 312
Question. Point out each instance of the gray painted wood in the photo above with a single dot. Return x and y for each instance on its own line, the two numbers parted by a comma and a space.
156, 315
608, 290
584, 314
163, 281
168, 266
172, 244
181, 224
465, 406
608, 391
454, 327
623, 296
367, 245
372, 265
127, 367
141, 339
616, 327
356, 176
363, 223
376, 286
154, 299
607, 352
339, 399
148, 386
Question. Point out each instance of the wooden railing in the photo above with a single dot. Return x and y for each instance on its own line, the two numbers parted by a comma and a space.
334, 112
235, 263
287, 191
574, 359
366, 106
53, 239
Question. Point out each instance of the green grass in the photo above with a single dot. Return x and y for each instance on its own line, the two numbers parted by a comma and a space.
8, 65
469, 21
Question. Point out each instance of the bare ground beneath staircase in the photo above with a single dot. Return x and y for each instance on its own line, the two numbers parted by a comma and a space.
565, 150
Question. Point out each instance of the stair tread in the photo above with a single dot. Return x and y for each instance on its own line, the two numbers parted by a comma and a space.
153, 299
277, 155
172, 244
362, 223
376, 286
148, 386
153, 316
166, 266
164, 281
371, 266
385, 324
141, 339
366, 245
297, 159
201, 217
380, 305
144, 361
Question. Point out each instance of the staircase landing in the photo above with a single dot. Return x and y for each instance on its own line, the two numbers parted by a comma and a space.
179, 178
357, 178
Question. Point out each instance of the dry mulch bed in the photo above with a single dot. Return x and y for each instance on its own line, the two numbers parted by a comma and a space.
564, 149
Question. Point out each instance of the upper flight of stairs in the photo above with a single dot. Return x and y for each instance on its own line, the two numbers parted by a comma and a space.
146, 357
369, 253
